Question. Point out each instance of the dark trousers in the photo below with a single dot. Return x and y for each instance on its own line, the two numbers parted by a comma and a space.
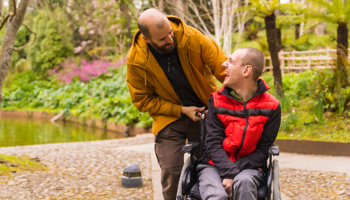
168, 144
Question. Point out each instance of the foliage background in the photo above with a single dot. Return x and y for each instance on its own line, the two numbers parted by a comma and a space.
70, 56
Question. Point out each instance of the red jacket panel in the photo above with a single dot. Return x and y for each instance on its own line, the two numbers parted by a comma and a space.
237, 130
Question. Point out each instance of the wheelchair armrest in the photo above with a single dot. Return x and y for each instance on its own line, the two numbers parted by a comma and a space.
190, 147
274, 150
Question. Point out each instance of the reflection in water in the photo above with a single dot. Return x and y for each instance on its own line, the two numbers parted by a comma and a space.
24, 131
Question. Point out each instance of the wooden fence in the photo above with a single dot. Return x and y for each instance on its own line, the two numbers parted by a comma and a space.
297, 61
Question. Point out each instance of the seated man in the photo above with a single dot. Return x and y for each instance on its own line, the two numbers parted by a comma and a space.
242, 123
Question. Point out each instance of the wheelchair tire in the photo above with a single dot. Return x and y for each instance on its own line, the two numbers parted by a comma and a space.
179, 195
276, 187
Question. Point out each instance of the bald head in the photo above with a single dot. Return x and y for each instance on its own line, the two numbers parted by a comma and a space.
255, 58
149, 19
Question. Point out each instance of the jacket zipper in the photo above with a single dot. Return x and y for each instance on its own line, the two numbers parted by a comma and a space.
244, 132
246, 126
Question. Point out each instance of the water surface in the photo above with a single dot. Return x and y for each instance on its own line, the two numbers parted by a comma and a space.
27, 131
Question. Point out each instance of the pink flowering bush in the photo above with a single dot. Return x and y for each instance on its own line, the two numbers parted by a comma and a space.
83, 71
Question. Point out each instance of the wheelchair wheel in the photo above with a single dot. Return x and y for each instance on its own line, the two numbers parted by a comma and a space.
276, 187
179, 195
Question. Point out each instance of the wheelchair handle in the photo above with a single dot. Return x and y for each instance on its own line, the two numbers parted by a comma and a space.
202, 114
274, 150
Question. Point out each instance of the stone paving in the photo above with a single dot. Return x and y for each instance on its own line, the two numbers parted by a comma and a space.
314, 185
81, 170
93, 170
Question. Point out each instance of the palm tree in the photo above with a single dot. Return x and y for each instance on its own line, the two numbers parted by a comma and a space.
338, 12
266, 9
293, 15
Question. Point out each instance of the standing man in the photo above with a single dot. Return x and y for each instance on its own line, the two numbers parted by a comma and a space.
171, 70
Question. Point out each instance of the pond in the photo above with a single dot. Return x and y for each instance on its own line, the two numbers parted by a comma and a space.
29, 131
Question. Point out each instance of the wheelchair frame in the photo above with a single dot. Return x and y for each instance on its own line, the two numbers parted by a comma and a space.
188, 177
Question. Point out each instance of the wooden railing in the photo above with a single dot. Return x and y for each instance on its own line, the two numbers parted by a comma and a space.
296, 61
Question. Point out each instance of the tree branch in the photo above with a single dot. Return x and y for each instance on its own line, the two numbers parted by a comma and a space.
26, 44
207, 12
10, 14
195, 10
190, 19
14, 7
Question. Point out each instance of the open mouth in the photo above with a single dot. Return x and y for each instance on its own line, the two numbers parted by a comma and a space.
226, 74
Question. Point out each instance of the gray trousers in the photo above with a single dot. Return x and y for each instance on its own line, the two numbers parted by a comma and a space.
168, 144
245, 184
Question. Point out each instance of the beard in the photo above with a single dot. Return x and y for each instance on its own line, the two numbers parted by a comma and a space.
165, 49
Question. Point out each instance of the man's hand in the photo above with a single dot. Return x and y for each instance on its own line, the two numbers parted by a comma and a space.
191, 111
227, 184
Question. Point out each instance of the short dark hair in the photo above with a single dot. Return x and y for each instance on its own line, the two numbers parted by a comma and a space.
255, 58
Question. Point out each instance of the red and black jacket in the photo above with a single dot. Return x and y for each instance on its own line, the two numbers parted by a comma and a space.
238, 134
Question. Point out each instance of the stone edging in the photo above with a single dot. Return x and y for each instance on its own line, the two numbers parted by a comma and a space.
314, 147
94, 123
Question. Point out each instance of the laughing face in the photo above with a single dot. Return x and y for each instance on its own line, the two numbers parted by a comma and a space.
234, 69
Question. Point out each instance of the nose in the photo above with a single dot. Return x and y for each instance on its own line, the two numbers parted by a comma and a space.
169, 39
224, 64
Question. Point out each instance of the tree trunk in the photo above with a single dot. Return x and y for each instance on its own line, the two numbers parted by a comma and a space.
342, 53
181, 9
1, 3
279, 39
124, 7
321, 29
9, 38
161, 5
301, 29
158, 4
273, 42
297, 31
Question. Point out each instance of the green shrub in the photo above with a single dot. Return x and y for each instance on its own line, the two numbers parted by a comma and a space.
53, 42
105, 97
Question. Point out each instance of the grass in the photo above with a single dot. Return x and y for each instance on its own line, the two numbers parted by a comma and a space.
304, 116
12, 164
300, 122
332, 130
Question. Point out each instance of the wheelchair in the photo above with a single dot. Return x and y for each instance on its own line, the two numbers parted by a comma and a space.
188, 188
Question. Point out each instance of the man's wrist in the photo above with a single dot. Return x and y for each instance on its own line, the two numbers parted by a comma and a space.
183, 109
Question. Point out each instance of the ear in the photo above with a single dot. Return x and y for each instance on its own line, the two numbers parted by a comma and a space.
146, 39
247, 70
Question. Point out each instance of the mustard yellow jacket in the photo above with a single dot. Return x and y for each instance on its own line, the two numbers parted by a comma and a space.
150, 89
